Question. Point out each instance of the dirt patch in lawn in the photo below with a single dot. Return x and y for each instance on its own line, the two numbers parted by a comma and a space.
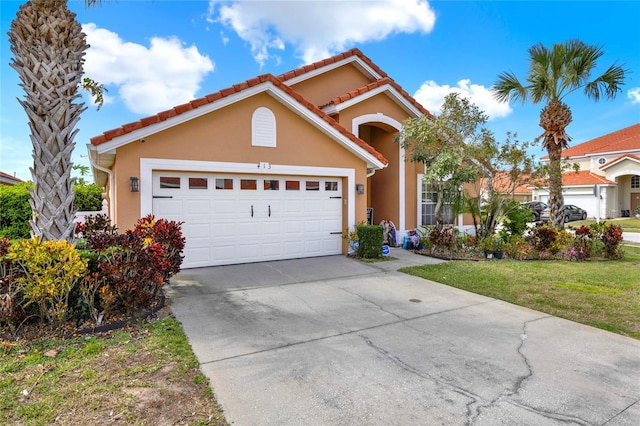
143, 374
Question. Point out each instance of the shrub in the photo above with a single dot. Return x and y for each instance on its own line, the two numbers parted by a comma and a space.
611, 238
542, 237
51, 269
87, 197
441, 236
168, 235
11, 312
582, 244
15, 213
370, 238
516, 218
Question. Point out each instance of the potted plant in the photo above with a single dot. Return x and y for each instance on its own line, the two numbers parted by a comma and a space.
493, 247
638, 211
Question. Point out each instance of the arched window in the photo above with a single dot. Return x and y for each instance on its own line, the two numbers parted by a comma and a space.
263, 128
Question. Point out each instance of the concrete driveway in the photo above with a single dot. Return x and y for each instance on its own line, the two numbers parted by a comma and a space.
333, 341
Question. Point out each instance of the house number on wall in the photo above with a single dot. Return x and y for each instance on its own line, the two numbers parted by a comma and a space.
264, 166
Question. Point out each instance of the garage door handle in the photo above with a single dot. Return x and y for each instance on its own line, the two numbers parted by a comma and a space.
162, 196
335, 233
269, 210
251, 210
334, 197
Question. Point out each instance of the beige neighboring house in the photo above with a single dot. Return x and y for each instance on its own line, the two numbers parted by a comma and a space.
7, 179
274, 167
610, 162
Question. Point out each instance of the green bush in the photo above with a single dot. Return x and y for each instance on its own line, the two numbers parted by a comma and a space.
15, 213
88, 197
51, 269
370, 238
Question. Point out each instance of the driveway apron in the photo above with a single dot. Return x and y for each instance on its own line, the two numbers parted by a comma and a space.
334, 341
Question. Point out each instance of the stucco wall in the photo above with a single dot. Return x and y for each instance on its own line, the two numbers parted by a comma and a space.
225, 136
324, 87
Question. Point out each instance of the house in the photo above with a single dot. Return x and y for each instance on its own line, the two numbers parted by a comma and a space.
607, 184
7, 179
275, 167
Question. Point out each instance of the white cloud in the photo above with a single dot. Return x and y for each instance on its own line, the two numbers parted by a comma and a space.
431, 96
634, 95
318, 28
149, 79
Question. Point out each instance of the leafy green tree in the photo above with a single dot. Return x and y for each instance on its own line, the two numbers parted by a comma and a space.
446, 144
48, 47
457, 149
554, 74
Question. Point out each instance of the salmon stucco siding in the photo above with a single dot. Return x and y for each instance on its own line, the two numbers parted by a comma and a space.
286, 163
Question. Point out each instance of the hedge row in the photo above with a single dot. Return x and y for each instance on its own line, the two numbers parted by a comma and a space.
16, 211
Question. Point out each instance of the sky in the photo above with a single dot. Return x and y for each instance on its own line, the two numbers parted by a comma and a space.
152, 55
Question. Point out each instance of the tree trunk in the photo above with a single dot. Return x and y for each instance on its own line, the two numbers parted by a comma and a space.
556, 199
48, 47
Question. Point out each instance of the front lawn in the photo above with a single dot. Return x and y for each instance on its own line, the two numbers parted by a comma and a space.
603, 294
628, 224
142, 375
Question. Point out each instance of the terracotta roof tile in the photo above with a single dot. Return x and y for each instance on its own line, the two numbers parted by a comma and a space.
626, 139
164, 115
374, 85
328, 61
7, 176
584, 177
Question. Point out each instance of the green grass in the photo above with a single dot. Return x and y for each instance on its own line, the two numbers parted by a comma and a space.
628, 224
603, 294
87, 379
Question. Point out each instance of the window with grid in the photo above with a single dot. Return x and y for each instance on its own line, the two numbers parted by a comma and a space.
429, 199
635, 182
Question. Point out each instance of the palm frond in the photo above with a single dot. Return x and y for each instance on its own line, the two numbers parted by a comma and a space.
607, 84
509, 87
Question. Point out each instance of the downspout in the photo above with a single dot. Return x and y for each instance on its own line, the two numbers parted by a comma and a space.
110, 174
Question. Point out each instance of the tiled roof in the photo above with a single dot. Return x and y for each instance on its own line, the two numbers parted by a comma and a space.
618, 159
626, 139
196, 103
374, 85
7, 178
584, 177
332, 60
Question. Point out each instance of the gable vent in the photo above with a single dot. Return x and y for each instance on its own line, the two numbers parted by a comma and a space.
263, 128
602, 160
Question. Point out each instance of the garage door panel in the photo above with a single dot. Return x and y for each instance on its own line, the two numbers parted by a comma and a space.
247, 221
168, 207
197, 207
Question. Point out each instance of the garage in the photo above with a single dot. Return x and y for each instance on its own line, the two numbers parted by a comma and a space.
242, 218
581, 197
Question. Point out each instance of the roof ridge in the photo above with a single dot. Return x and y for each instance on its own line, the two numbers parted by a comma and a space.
374, 85
331, 60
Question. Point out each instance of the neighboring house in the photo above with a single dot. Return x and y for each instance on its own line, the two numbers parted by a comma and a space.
7, 179
612, 162
272, 168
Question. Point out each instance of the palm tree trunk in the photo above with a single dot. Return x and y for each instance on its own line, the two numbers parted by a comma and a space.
48, 47
556, 199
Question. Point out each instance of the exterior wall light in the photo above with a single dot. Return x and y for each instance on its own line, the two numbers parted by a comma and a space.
133, 184
360, 188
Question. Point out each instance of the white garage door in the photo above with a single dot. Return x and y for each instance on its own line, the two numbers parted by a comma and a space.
232, 219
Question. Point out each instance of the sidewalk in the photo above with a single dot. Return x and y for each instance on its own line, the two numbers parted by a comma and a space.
632, 237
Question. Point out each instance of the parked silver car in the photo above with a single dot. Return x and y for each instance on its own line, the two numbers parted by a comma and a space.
569, 211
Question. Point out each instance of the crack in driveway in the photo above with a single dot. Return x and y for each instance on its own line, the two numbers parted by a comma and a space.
478, 403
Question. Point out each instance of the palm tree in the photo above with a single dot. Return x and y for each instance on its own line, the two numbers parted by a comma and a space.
553, 74
49, 46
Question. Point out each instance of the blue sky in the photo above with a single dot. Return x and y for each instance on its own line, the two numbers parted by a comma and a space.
152, 55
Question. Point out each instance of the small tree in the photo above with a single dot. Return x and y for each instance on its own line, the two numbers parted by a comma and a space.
446, 145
